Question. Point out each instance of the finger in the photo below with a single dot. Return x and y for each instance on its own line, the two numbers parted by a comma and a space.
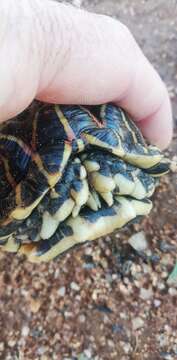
148, 101
61, 54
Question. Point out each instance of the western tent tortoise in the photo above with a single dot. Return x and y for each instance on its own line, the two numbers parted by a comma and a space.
69, 174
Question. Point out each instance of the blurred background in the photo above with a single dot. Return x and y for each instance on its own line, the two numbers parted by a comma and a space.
110, 299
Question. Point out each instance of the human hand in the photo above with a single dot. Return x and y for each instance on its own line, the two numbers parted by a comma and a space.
59, 54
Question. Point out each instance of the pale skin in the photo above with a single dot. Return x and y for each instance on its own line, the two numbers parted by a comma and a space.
59, 54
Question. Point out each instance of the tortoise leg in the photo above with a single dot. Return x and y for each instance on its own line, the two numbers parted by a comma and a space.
109, 176
87, 226
67, 197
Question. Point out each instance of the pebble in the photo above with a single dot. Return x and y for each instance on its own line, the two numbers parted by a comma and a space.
124, 316
161, 285
88, 266
88, 353
166, 247
111, 343
11, 343
138, 241
166, 356
41, 350
44, 357
157, 303
126, 347
81, 356
146, 294
137, 323
25, 330
82, 318
62, 291
35, 305
117, 329
172, 291
1, 346
74, 286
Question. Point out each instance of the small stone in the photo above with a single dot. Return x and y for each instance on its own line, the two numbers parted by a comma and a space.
124, 316
41, 350
81, 356
82, 318
137, 323
138, 241
126, 347
88, 353
157, 303
44, 357
172, 291
11, 343
117, 329
25, 330
146, 294
88, 266
173, 165
35, 305
57, 273
74, 286
166, 247
68, 314
111, 343
161, 285
163, 340
1, 346
88, 250
61, 291
166, 356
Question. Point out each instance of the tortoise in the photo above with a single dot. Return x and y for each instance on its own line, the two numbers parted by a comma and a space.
70, 174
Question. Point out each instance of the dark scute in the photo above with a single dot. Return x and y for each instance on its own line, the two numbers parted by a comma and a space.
108, 136
52, 156
10, 228
33, 186
93, 216
113, 119
55, 204
50, 130
13, 151
66, 229
32, 222
6, 205
79, 120
45, 245
20, 126
5, 187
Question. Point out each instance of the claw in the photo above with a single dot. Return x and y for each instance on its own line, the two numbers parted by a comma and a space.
101, 183
91, 203
79, 192
108, 198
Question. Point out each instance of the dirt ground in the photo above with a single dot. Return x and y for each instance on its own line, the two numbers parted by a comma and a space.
105, 300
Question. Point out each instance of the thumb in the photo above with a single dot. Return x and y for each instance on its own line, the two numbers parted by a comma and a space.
60, 54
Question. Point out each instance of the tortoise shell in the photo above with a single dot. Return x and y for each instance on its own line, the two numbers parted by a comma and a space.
70, 174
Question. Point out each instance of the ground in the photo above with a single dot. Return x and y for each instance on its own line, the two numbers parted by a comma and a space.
105, 300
